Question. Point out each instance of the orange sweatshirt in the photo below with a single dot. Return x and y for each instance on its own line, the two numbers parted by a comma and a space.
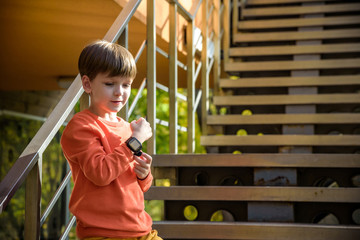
107, 198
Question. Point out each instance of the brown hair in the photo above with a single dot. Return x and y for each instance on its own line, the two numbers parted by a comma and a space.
105, 57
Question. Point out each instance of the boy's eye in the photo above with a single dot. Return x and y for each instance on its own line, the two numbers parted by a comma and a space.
127, 85
109, 84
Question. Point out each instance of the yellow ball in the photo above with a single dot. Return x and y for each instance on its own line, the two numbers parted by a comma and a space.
241, 132
246, 112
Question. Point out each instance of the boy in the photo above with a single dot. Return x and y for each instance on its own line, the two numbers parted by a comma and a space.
109, 170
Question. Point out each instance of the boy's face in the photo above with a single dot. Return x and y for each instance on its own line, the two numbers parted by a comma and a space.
108, 94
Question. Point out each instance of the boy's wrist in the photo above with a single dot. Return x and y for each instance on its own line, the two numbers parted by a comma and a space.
141, 179
134, 145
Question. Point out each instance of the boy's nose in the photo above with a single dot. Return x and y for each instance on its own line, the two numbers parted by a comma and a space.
119, 90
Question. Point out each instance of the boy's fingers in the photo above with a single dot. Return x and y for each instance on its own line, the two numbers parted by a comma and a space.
147, 157
141, 160
140, 119
140, 168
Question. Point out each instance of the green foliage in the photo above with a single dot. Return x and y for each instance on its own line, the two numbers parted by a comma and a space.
16, 133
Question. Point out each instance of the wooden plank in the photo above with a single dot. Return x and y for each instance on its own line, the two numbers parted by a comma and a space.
291, 81
251, 193
258, 160
248, 100
293, 36
320, 118
296, 49
300, 10
281, 140
251, 230
298, 22
267, 2
292, 65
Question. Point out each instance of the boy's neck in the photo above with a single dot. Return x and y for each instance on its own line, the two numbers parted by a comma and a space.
111, 116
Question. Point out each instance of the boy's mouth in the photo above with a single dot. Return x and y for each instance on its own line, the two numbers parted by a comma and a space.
116, 102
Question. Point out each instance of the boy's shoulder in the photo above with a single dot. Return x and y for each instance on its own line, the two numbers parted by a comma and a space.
81, 119
84, 115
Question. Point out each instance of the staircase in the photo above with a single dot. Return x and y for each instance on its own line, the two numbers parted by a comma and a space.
293, 112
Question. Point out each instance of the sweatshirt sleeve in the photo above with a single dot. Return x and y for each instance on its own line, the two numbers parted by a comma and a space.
146, 183
81, 144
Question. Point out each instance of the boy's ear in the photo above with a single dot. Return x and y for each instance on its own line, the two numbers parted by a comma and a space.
86, 84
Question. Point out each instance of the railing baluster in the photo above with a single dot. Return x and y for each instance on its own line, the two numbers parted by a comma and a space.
56, 196
226, 28
151, 73
173, 80
204, 67
190, 85
68, 228
123, 41
235, 17
32, 202
217, 60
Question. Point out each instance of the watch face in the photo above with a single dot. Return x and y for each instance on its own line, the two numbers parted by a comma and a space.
135, 145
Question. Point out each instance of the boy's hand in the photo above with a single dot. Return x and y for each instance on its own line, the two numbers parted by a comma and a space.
141, 129
142, 165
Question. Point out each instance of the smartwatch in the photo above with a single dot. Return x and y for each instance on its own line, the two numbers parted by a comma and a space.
134, 145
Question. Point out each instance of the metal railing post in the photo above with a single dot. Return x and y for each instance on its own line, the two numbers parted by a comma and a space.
173, 79
33, 202
217, 60
190, 85
151, 73
226, 27
123, 41
204, 67
235, 17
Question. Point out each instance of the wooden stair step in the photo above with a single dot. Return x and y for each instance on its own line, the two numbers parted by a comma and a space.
290, 81
294, 50
249, 100
258, 160
267, 2
323, 118
281, 140
292, 65
252, 230
301, 22
254, 193
293, 36
300, 10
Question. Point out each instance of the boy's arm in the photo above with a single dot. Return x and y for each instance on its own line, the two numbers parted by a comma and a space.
81, 145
